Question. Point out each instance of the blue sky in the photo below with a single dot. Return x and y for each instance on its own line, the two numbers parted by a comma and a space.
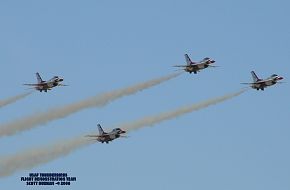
98, 46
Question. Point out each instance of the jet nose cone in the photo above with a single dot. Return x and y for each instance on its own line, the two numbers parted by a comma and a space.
280, 78
60, 79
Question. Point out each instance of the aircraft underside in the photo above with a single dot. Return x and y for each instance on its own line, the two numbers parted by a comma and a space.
45, 87
263, 86
107, 139
195, 68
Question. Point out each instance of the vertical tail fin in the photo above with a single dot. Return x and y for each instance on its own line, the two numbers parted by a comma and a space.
254, 76
39, 79
188, 61
101, 131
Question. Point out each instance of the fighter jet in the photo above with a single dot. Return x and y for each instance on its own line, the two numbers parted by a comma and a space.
46, 85
107, 137
196, 66
263, 83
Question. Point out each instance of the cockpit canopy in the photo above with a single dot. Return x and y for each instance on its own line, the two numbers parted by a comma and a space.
274, 75
118, 131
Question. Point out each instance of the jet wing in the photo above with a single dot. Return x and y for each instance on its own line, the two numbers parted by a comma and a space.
59, 84
92, 136
104, 135
38, 84
31, 84
259, 82
180, 65
247, 83
213, 66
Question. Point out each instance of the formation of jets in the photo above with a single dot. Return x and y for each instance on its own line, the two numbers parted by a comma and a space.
191, 66
107, 137
46, 85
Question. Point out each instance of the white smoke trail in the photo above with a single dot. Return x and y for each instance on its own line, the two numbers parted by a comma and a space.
13, 99
31, 158
61, 112
151, 120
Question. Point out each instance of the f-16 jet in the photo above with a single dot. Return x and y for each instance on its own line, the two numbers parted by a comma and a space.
263, 83
46, 85
107, 137
195, 67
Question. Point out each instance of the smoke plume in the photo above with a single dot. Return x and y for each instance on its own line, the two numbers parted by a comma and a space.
31, 158
151, 120
61, 112
13, 99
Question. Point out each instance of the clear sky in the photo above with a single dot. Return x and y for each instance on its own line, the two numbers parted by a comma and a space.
98, 46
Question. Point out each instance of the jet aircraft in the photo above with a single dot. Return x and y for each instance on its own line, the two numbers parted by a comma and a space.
107, 137
263, 83
46, 85
195, 67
